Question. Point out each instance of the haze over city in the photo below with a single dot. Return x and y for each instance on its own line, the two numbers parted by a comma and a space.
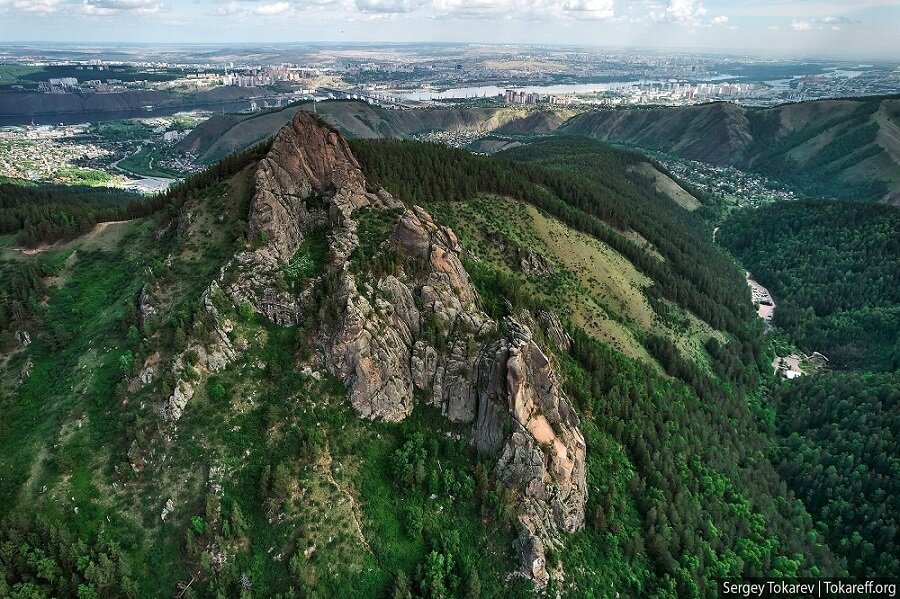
823, 28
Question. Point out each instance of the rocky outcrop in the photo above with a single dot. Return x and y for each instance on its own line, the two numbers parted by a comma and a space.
414, 329
146, 306
534, 264
308, 179
554, 331
209, 350
543, 458
23, 338
370, 349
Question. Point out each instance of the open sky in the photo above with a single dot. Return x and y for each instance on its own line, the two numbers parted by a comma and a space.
853, 29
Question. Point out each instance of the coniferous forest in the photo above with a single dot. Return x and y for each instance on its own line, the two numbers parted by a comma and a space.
684, 438
832, 266
834, 270
53, 212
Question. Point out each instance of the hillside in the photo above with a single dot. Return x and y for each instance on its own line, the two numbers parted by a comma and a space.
361, 370
847, 149
826, 148
222, 135
835, 269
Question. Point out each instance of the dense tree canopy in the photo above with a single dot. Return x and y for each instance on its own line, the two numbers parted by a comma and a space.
834, 270
52, 212
837, 449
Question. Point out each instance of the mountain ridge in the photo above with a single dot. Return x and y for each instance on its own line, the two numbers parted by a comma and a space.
847, 148
376, 346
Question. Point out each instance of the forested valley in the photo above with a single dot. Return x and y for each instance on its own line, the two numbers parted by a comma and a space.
834, 270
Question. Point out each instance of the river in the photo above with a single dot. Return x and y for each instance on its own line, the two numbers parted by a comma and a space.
482, 91
75, 118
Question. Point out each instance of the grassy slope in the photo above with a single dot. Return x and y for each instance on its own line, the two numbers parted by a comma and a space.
593, 286
710, 132
668, 186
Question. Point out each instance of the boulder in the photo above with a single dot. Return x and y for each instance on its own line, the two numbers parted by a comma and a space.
23, 338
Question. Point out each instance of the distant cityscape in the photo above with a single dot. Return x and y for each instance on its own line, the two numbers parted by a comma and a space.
417, 78
157, 98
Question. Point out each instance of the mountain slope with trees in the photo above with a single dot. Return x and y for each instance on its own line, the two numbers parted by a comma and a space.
825, 148
186, 417
846, 149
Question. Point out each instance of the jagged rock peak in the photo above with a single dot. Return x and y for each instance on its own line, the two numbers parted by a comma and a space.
414, 329
543, 456
308, 160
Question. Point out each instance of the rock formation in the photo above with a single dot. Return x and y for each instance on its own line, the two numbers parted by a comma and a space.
543, 457
391, 334
209, 349
534, 264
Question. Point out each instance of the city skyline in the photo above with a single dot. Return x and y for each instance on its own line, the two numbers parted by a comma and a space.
802, 28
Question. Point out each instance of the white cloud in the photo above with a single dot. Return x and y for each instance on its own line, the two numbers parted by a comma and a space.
836, 23
471, 8
268, 10
387, 6
506, 9
800, 25
111, 7
231, 8
40, 7
589, 9
720, 20
685, 11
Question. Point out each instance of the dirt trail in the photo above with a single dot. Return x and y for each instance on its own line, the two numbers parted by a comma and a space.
92, 234
324, 467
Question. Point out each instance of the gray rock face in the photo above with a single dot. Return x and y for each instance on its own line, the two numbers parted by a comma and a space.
370, 349
308, 179
213, 350
555, 331
146, 375
146, 306
23, 338
417, 328
534, 264
543, 458
173, 408
167, 509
